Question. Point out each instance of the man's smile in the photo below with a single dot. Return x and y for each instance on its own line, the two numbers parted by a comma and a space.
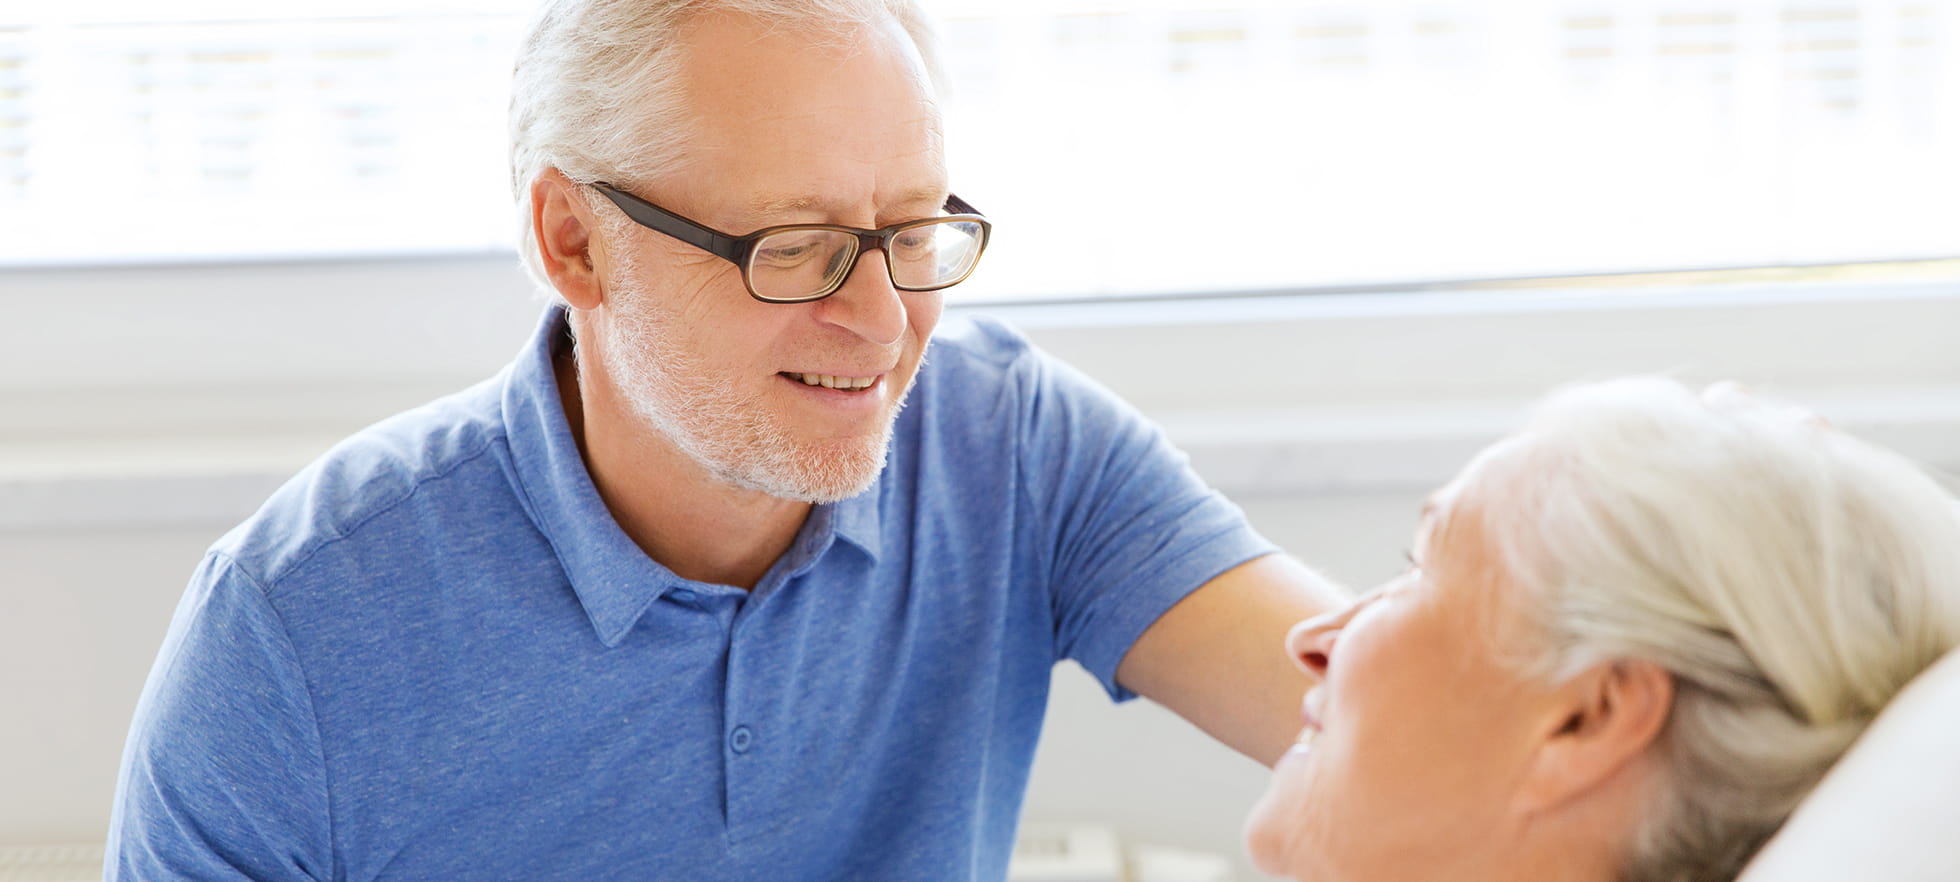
828, 381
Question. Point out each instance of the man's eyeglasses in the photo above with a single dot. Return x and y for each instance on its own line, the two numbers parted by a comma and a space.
798, 263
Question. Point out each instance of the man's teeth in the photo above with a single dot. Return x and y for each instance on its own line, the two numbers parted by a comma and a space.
829, 382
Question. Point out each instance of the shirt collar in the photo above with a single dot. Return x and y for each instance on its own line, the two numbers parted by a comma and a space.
614, 579
856, 520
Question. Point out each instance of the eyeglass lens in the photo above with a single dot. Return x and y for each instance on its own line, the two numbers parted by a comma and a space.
800, 264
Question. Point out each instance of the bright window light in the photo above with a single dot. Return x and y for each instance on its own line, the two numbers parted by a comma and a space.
1122, 147
142, 131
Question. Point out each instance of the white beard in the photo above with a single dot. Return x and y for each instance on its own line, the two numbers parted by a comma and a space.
734, 437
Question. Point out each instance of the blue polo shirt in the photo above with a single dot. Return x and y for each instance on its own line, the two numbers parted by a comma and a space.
434, 655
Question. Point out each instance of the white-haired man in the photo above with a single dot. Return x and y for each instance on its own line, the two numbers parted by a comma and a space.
681, 594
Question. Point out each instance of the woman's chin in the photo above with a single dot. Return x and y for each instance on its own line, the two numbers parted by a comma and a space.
1260, 835
1278, 819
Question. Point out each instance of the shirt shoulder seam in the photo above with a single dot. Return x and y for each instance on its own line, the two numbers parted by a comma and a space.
337, 533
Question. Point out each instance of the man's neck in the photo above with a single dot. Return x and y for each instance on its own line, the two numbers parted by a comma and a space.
701, 528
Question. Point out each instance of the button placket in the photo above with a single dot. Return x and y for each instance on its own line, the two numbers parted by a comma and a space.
738, 769
749, 763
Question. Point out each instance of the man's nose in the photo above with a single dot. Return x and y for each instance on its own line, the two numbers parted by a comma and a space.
867, 304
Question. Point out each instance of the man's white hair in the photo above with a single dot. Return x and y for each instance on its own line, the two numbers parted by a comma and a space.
596, 91
1790, 577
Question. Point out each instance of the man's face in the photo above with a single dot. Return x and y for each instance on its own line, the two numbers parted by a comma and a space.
782, 133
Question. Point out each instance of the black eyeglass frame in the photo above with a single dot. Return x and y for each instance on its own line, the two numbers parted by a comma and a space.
738, 249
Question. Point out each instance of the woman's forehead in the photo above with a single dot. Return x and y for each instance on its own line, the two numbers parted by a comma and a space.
1497, 478
1472, 525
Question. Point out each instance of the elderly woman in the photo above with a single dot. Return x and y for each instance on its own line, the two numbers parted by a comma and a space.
1631, 638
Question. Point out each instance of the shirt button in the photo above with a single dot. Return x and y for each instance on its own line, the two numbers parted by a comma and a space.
740, 739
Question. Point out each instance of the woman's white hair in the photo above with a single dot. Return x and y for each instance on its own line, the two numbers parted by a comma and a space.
596, 92
1790, 577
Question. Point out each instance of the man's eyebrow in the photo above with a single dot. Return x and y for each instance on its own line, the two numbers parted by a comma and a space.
934, 195
765, 207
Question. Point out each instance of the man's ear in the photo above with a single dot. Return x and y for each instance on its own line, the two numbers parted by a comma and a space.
1601, 723
563, 225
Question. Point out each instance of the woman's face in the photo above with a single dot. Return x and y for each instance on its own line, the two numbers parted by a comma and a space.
1415, 730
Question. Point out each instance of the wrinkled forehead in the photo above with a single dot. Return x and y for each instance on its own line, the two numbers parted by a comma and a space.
1494, 480
722, 54
779, 113
1477, 528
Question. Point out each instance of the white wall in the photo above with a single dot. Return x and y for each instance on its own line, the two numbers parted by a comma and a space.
144, 411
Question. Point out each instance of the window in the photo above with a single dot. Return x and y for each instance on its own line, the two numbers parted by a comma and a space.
1329, 143
136, 131
1376, 141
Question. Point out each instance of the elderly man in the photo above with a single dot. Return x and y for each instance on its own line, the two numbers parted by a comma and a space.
681, 593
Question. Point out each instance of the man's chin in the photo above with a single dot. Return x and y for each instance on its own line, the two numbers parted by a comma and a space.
829, 473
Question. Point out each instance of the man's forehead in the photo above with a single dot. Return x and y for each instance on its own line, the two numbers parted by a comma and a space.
788, 127
765, 64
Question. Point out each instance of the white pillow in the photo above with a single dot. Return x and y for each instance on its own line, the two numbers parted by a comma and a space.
1890, 809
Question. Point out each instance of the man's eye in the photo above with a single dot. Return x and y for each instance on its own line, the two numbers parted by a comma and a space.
790, 252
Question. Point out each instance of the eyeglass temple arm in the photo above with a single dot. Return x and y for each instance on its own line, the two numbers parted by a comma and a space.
651, 215
956, 205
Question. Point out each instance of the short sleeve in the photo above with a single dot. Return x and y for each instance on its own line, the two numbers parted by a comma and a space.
222, 776
1124, 525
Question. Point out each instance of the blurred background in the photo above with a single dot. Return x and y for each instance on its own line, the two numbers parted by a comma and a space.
1331, 142
1334, 247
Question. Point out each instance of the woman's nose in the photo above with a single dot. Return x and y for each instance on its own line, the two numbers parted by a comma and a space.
1311, 642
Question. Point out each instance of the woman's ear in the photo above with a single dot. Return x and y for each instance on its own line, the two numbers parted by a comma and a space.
1601, 722
563, 225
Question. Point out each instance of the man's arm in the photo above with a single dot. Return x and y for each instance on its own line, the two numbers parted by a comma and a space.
1217, 658
1122, 528
222, 777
